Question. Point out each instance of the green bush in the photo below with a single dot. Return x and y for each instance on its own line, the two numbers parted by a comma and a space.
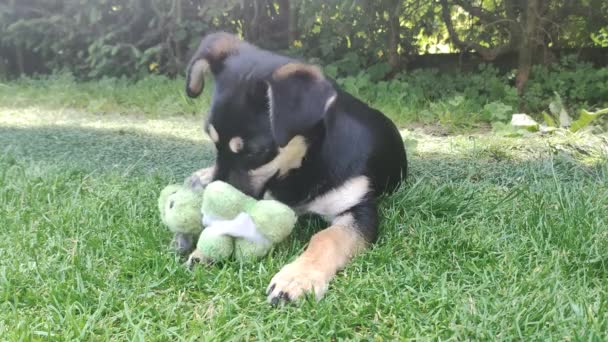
579, 85
463, 99
427, 95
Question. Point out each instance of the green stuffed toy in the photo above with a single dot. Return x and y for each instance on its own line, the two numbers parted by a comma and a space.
236, 225
180, 209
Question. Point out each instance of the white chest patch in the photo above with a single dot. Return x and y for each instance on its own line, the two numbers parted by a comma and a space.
340, 199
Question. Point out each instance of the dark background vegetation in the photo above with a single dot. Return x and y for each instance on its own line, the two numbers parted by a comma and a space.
483, 58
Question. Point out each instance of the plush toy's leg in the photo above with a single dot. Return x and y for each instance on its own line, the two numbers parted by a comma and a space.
247, 251
328, 251
200, 178
197, 257
213, 244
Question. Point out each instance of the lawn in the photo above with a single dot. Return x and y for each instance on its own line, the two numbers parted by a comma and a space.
492, 238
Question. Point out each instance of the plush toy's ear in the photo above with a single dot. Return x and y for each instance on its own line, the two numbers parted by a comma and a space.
299, 98
212, 51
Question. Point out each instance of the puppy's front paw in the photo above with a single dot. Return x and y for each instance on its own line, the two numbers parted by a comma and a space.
295, 280
199, 179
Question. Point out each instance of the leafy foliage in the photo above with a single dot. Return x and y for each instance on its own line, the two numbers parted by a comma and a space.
497, 111
101, 38
576, 82
561, 118
586, 118
463, 99
133, 38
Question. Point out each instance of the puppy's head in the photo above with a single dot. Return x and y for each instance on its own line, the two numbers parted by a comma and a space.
261, 101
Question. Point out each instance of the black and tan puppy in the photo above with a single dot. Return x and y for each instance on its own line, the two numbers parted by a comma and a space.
282, 129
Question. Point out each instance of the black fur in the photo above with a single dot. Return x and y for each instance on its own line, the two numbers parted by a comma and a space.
349, 139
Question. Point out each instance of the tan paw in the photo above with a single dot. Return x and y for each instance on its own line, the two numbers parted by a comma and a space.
294, 280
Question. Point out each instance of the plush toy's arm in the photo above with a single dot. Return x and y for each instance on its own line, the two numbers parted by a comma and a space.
273, 219
241, 226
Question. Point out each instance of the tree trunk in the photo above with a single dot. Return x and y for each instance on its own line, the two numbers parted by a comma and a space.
179, 63
526, 49
394, 30
284, 25
292, 24
19, 59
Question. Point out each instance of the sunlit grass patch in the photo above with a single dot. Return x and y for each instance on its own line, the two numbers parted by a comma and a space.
154, 96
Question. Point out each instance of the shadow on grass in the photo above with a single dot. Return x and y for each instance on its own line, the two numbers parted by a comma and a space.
136, 151
133, 152
465, 171
102, 150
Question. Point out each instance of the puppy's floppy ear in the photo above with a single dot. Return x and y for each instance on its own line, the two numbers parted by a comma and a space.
299, 98
211, 52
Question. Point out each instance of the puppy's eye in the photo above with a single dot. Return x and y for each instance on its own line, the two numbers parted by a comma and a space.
251, 153
256, 153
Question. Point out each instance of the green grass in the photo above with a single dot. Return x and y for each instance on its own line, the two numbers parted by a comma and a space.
493, 238
458, 101
162, 97
154, 96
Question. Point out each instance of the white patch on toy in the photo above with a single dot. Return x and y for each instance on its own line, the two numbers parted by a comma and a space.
242, 226
208, 219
